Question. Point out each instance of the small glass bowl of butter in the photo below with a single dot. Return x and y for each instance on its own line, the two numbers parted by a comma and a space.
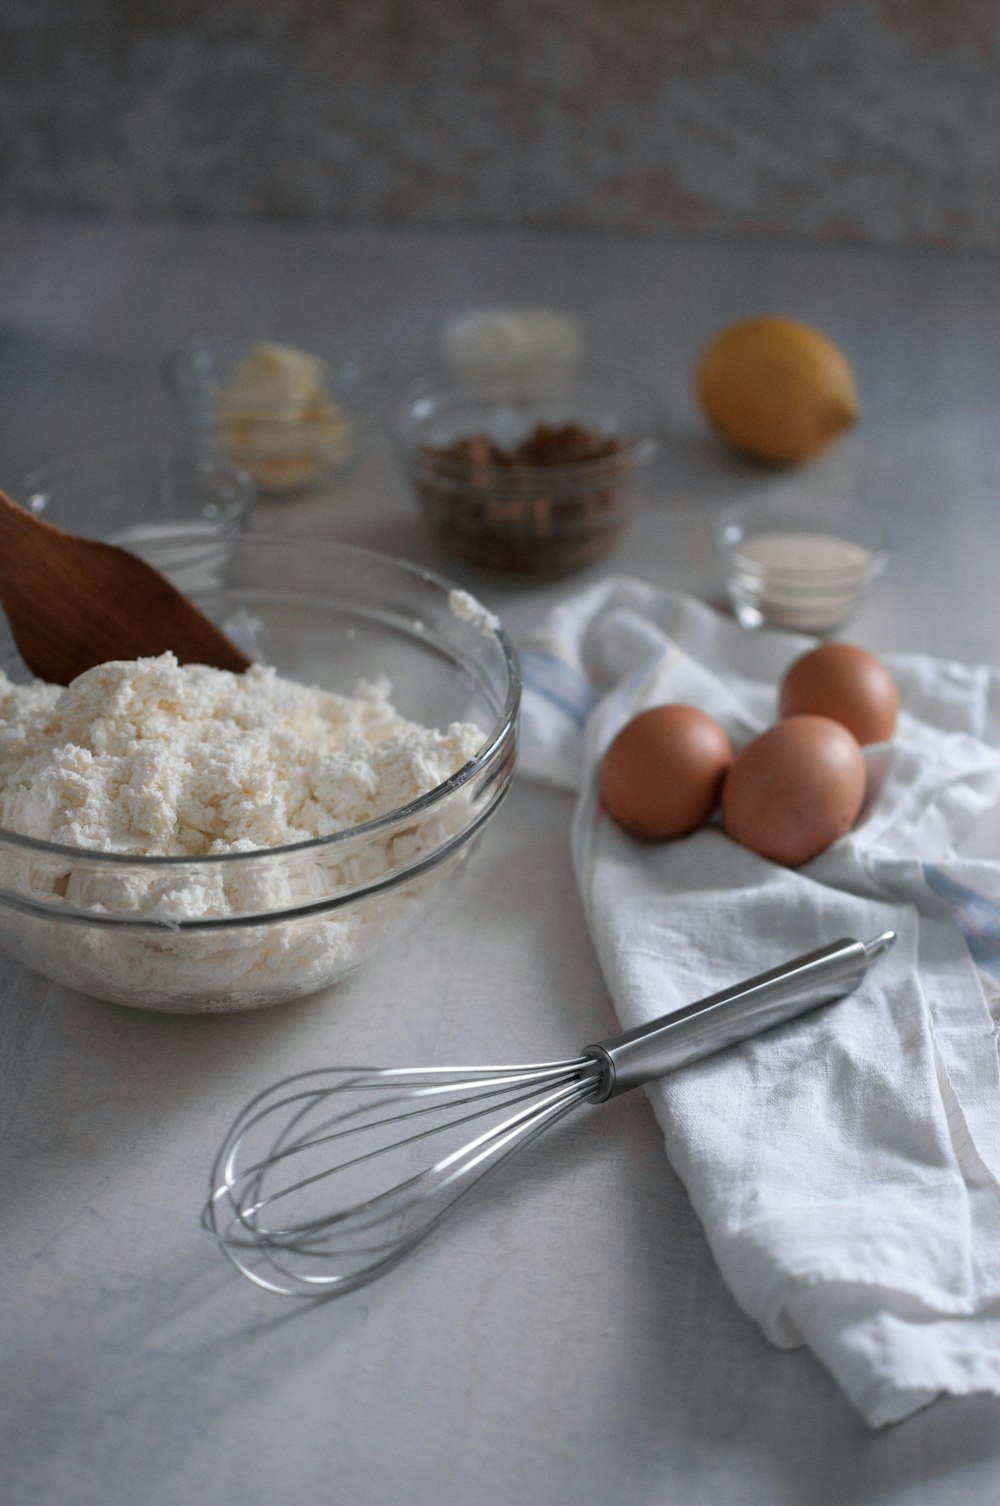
289, 417
788, 566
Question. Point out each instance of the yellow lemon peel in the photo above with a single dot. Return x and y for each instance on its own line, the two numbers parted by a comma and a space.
776, 390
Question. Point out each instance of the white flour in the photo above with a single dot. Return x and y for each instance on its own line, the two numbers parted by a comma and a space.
151, 758
470, 610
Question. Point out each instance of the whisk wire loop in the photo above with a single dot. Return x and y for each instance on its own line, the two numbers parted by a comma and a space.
363, 1237
249, 1209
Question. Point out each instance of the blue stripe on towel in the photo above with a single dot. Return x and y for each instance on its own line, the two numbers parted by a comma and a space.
558, 683
978, 918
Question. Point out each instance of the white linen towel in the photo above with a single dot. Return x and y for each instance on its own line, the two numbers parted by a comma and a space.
846, 1167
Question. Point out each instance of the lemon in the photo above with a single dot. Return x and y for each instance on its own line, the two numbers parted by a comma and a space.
776, 390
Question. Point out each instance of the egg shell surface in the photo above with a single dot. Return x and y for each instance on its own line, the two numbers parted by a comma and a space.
794, 789
845, 682
662, 774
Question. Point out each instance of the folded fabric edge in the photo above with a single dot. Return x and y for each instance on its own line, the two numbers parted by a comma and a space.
888, 1366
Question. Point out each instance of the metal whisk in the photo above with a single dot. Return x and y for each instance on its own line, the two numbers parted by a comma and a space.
321, 1183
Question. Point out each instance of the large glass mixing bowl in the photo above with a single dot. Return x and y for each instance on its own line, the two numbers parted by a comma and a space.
277, 923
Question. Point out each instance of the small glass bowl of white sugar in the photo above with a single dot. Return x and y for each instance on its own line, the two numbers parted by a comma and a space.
787, 566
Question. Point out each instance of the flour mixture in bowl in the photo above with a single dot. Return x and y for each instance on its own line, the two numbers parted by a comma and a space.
157, 759
181, 837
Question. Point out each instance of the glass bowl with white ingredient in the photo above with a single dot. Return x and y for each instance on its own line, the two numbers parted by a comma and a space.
803, 568
177, 838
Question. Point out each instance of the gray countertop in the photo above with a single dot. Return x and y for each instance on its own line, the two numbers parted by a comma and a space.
566, 1338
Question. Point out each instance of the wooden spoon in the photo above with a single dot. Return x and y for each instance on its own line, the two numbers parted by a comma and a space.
73, 603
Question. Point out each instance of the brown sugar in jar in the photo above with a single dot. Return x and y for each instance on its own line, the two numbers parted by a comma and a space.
553, 502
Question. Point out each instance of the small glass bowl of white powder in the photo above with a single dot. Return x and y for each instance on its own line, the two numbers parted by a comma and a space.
180, 838
789, 567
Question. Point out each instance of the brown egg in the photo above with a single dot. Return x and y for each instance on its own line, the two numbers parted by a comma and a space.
846, 683
662, 774
795, 789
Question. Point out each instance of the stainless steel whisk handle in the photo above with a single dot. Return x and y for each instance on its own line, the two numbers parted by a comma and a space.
652, 1050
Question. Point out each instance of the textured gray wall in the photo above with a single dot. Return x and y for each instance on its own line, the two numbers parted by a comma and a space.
873, 119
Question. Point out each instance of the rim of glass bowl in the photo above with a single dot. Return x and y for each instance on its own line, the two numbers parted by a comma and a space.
35, 484
636, 451
794, 577
501, 734
190, 370
810, 576
741, 521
